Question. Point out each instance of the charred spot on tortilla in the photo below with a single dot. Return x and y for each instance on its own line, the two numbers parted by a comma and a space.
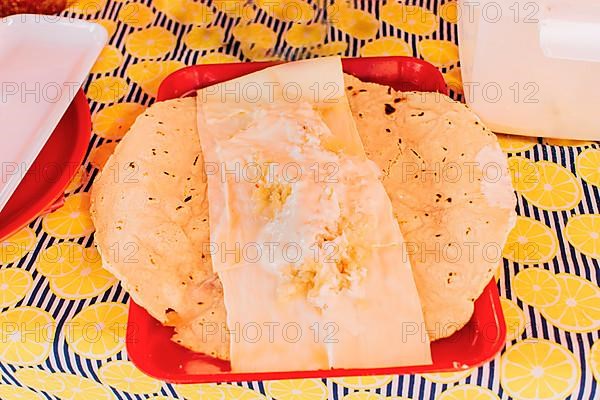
471, 208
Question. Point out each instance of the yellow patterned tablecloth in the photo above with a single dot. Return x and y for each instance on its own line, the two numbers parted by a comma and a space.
62, 321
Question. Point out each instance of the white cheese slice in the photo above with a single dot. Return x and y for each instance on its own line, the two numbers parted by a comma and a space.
311, 259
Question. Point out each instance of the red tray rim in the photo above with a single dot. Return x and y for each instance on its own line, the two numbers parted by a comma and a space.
489, 298
166, 91
136, 353
79, 146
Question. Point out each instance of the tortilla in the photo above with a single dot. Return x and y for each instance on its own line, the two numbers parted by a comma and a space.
450, 188
150, 210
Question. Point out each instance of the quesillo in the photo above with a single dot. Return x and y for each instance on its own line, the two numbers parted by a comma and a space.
252, 132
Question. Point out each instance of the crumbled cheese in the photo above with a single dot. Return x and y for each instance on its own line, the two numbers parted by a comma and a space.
337, 266
271, 194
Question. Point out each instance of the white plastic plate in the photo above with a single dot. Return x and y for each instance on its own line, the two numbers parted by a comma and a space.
43, 62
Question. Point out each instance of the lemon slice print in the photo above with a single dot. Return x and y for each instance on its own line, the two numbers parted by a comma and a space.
87, 7
364, 382
357, 23
411, 19
516, 144
77, 181
453, 78
109, 59
100, 155
27, 335
468, 392
10, 392
14, 286
79, 388
40, 380
448, 377
217, 58
499, 271
108, 89
583, 233
256, 34
588, 166
235, 8
153, 42
537, 287
530, 242
16, 246
205, 391
386, 46
123, 375
305, 35
254, 53
109, 25
186, 11
287, 10
330, 49
98, 331
557, 188
72, 220
514, 318
241, 393
297, 389
524, 173
441, 53
150, 74
578, 307
89, 279
594, 357
566, 142
60, 259
538, 370
449, 11
137, 15
202, 38
363, 396
114, 121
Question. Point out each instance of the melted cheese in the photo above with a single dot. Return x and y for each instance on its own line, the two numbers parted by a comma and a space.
307, 248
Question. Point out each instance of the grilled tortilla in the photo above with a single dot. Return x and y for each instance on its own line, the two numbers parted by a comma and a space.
438, 166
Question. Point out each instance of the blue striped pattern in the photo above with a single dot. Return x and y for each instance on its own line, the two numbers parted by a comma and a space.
411, 386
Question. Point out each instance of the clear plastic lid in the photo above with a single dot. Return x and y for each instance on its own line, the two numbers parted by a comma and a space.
532, 68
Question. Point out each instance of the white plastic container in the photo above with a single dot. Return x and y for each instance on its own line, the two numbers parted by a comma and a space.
44, 60
532, 67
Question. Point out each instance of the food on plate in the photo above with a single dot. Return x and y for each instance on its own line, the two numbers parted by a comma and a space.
448, 181
150, 211
366, 154
295, 175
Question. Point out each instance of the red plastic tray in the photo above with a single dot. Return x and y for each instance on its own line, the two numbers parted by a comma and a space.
148, 341
42, 187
